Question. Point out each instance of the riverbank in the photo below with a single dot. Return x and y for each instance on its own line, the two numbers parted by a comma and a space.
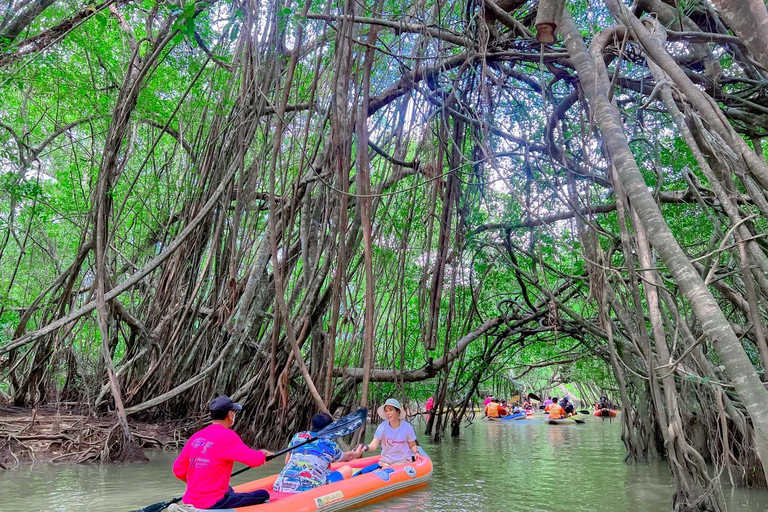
65, 434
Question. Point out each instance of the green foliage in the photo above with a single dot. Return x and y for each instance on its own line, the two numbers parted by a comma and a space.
511, 238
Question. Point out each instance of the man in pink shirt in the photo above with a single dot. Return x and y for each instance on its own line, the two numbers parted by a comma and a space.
206, 461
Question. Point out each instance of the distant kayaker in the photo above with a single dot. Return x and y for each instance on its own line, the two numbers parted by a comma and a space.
555, 410
547, 403
308, 466
604, 404
206, 461
492, 409
396, 437
567, 406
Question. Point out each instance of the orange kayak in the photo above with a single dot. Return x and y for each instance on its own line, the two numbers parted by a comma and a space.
605, 413
344, 494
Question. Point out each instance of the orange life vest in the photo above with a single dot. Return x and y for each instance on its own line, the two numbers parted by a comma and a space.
556, 412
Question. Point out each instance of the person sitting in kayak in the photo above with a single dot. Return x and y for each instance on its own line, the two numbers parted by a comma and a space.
604, 405
527, 405
396, 437
308, 466
555, 411
205, 463
567, 406
492, 409
503, 411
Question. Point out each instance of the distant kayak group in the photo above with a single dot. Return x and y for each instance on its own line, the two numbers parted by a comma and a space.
557, 411
499, 409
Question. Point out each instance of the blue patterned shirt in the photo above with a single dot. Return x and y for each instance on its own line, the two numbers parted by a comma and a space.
308, 466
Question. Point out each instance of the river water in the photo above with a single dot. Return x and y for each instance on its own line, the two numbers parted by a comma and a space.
526, 465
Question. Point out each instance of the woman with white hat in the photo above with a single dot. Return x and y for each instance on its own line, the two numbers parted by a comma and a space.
396, 436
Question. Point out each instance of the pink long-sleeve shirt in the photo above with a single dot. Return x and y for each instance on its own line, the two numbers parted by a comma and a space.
206, 461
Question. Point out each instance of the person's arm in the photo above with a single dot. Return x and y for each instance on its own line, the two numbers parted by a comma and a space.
181, 465
412, 443
353, 454
415, 449
377, 436
372, 445
237, 450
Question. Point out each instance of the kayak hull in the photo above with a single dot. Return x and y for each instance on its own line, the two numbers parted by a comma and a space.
344, 494
570, 420
510, 417
561, 421
605, 413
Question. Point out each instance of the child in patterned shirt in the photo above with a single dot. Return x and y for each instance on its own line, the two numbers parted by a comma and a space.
308, 466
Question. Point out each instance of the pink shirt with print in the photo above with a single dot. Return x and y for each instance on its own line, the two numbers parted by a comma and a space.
206, 461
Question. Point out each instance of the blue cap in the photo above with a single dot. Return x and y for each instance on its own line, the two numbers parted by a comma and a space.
223, 403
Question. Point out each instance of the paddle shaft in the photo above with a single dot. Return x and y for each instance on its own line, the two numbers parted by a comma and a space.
277, 454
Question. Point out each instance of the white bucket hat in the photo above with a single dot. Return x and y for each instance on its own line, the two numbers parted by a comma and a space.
394, 403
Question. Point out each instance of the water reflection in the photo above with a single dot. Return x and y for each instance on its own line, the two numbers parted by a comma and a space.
526, 465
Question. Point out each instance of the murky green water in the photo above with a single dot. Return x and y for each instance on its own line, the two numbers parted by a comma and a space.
523, 466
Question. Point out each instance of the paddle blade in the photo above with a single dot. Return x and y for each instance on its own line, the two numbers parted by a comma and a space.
338, 428
584, 411
346, 425
158, 507
534, 396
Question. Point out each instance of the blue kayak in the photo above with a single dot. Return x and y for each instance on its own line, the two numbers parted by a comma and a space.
518, 416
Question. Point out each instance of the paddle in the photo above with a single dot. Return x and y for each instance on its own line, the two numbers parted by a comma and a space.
534, 396
584, 411
343, 426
